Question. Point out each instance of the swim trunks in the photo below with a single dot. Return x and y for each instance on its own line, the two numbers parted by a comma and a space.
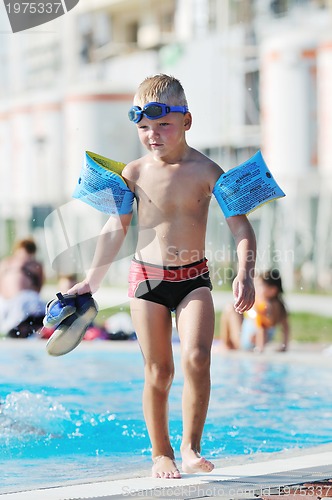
167, 285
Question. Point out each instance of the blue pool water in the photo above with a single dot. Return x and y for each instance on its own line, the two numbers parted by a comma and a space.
79, 416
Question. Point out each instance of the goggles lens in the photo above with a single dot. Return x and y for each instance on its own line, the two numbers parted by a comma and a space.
153, 111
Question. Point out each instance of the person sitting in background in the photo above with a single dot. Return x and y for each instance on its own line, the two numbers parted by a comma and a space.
255, 328
21, 270
21, 280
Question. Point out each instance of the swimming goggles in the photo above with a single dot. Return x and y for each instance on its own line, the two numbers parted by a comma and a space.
153, 111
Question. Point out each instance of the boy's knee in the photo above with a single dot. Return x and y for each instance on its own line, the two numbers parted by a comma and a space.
198, 360
159, 376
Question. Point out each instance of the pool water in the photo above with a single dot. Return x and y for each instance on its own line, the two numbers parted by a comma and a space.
79, 416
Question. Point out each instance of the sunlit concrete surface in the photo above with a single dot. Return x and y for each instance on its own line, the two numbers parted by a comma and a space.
261, 476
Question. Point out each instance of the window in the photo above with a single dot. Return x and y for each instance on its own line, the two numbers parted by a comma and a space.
131, 32
279, 7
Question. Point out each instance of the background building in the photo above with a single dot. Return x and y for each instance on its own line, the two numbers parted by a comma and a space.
258, 75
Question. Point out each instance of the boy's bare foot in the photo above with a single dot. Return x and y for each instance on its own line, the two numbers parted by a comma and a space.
192, 462
164, 467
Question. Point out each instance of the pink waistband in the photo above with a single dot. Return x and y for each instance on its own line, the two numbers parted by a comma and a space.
140, 271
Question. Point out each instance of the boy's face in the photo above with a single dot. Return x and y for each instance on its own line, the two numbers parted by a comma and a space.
164, 135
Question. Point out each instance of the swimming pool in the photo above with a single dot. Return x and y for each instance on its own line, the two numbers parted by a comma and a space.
79, 416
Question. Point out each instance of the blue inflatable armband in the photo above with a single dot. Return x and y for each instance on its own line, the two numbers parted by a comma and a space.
102, 186
244, 188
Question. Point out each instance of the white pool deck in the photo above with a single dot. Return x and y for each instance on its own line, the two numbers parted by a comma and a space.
258, 476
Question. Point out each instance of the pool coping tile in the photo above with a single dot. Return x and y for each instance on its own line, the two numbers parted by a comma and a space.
256, 480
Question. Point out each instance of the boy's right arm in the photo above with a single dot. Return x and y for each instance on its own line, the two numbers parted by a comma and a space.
108, 245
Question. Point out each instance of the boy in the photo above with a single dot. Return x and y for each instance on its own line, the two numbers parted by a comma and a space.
173, 185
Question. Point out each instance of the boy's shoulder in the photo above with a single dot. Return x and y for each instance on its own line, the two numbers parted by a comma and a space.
131, 171
199, 156
209, 165
133, 167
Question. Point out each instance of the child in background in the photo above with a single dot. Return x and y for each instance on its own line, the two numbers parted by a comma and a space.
255, 328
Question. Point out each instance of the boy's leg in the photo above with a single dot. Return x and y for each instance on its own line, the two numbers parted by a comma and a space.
195, 321
153, 326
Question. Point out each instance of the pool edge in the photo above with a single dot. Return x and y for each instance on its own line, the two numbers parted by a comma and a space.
267, 470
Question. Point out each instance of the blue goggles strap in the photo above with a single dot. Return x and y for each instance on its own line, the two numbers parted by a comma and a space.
153, 111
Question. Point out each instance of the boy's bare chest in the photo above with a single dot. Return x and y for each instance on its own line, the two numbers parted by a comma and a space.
167, 185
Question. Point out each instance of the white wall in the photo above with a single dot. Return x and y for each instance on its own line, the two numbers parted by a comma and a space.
211, 71
288, 103
324, 75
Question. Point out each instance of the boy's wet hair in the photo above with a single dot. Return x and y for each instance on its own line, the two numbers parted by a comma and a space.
272, 278
161, 88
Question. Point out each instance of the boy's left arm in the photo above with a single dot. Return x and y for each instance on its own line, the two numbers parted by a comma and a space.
245, 240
